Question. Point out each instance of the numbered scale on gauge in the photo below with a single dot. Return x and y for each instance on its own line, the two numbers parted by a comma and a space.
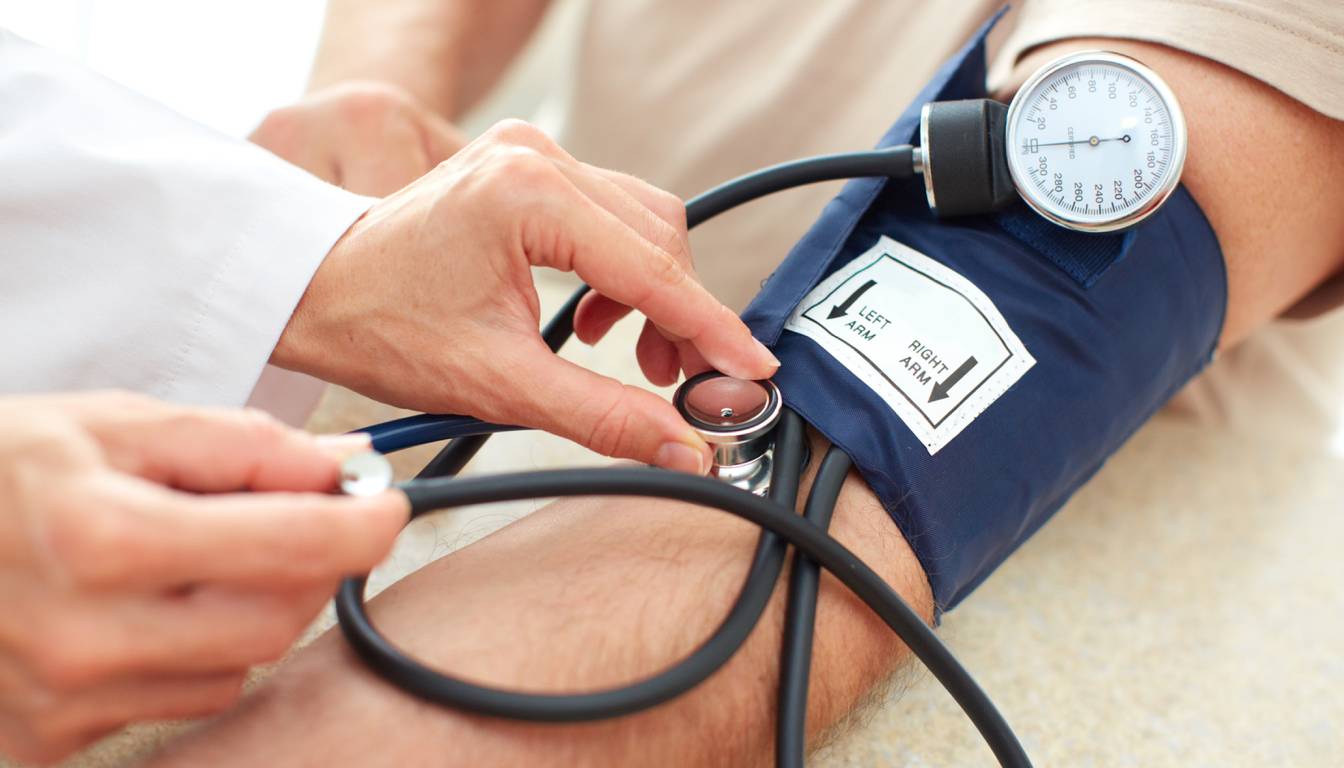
1096, 142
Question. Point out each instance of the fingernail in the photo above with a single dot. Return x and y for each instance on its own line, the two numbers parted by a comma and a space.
681, 457
765, 351
343, 446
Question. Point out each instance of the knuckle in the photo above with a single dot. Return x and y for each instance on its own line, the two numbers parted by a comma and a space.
367, 102
515, 131
671, 209
88, 548
613, 428
667, 240
61, 664
260, 428
122, 402
522, 176
665, 270
523, 164
280, 130
251, 425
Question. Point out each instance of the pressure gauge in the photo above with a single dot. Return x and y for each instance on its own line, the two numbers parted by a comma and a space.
1096, 141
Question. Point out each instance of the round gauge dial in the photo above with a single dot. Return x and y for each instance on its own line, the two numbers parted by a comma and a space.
1096, 141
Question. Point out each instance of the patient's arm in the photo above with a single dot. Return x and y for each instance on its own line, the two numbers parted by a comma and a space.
582, 594
589, 593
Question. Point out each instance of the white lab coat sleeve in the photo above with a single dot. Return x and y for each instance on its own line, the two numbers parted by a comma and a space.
141, 250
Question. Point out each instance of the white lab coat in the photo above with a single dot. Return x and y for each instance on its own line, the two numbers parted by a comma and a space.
141, 250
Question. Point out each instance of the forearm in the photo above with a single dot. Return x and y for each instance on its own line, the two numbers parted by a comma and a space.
448, 53
583, 595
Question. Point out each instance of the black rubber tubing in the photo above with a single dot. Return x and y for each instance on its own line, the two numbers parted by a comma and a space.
766, 565
442, 493
800, 613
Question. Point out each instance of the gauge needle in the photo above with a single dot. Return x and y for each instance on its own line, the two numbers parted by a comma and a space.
1093, 141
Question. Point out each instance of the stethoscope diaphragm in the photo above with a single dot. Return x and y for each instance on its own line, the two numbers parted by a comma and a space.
737, 417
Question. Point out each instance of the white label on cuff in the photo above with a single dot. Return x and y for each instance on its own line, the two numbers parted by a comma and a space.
926, 340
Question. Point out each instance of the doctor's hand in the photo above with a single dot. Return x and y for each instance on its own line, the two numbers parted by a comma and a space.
139, 582
368, 137
427, 302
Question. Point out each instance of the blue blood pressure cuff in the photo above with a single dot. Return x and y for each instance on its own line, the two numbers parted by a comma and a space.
979, 370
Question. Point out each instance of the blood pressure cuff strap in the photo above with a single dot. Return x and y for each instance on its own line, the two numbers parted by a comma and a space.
979, 370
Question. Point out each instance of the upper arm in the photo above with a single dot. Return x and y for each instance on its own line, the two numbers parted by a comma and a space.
1265, 168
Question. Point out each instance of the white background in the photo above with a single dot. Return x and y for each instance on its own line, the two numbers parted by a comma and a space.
227, 64
223, 63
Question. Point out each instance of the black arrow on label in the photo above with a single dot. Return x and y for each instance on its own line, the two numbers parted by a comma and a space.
940, 389
842, 309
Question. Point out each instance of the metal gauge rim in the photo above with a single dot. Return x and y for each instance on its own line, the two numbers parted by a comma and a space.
926, 169
760, 423
1163, 190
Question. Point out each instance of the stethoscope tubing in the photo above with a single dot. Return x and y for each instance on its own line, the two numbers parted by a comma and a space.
443, 493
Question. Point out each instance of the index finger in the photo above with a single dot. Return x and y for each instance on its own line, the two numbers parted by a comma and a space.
209, 449
618, 262
128, 533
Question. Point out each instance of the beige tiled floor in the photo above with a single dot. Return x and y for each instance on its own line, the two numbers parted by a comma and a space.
1185, 609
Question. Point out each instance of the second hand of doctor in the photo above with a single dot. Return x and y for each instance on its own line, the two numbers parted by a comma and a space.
428, 301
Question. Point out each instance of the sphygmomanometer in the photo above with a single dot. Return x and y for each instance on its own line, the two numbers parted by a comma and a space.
975, 342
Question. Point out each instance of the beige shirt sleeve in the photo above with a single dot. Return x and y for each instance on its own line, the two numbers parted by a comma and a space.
1296, 46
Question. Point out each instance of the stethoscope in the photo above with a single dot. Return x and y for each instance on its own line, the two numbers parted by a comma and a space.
759, 444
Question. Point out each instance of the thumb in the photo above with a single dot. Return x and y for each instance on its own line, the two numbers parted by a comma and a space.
604, 415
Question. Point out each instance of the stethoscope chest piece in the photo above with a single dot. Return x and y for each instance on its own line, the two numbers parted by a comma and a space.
737, 418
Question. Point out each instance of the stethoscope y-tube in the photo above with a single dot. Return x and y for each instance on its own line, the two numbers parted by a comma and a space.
435, 489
